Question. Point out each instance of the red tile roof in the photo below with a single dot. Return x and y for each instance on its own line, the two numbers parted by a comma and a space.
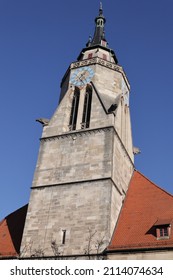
6, 243
144, 205
11, 230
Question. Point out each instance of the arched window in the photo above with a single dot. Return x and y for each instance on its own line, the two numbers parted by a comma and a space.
74, 109
87, 108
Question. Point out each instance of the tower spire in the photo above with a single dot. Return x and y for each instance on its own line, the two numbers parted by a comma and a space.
99, 34
98, 40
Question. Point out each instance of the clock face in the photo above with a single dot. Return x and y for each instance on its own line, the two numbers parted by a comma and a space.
82, 76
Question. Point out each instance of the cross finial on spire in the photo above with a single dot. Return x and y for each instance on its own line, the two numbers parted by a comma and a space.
101, 9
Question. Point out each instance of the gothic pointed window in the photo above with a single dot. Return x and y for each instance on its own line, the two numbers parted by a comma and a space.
87, 108
74, 109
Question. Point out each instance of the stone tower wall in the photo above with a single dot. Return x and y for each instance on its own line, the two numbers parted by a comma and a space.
81, 176
81, 209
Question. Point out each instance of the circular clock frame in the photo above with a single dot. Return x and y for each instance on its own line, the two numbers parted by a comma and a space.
82, 76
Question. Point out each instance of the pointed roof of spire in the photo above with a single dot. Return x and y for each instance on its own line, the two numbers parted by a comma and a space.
98, 39
99, 33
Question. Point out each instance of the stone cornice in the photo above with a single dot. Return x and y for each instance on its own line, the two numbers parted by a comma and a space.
100, 61
76, 133
79, 182
103, 62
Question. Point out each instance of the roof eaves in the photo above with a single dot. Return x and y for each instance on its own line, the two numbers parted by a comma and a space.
136, 249
97, 46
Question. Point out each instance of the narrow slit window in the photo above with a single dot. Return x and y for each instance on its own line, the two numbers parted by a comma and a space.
87, 108
103, 43
74, 109
63, 236
104, 56
90, 55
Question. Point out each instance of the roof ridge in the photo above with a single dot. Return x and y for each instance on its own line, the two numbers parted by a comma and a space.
18, 209
160, 188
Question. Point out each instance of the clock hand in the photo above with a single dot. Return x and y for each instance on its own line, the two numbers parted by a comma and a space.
82, 81
83, 74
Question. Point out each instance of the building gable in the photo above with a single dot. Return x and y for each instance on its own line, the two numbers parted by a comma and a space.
146, 207
11, 229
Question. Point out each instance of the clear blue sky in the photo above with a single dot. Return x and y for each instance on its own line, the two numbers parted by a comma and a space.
38, 41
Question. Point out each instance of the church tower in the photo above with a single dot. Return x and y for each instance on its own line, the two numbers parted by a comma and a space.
85, 160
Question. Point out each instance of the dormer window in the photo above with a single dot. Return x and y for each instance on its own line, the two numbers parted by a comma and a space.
163, 232
163, 229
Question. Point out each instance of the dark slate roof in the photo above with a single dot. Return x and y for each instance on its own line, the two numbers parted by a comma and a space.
99, 33
99, 37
